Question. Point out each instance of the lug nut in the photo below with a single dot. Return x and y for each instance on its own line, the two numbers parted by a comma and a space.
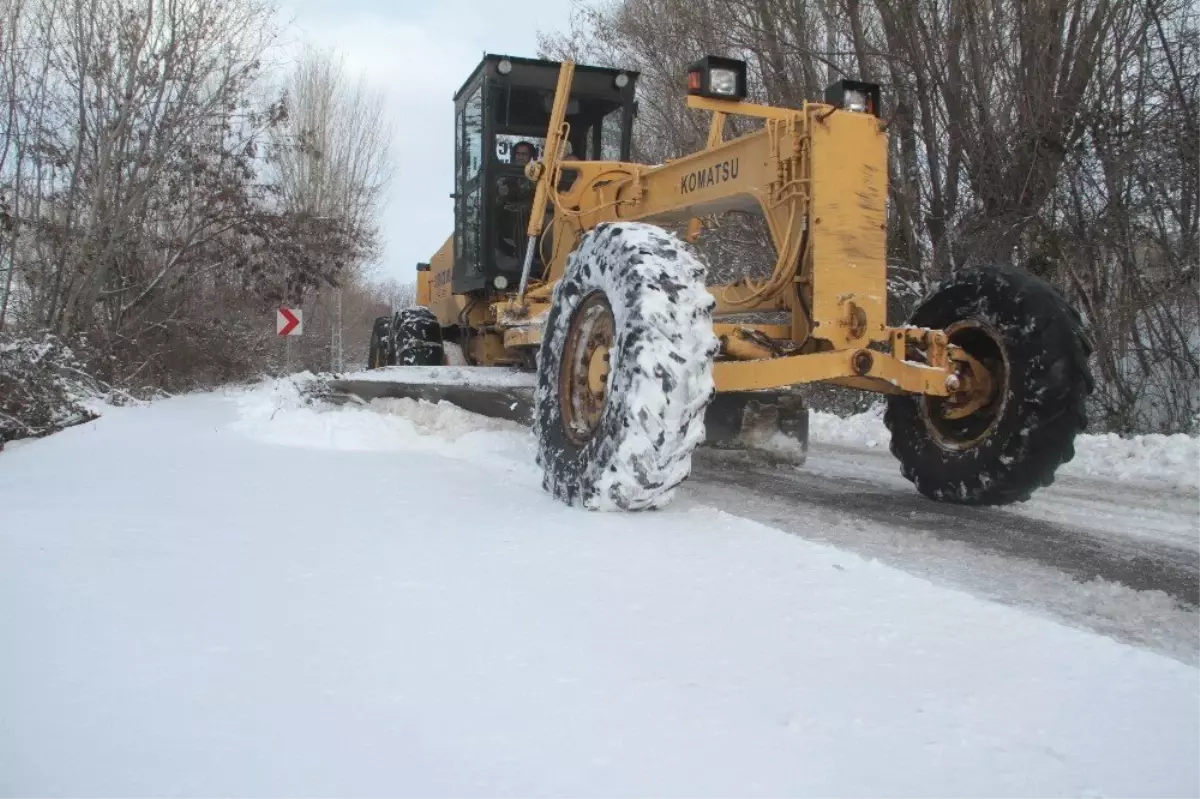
953, 383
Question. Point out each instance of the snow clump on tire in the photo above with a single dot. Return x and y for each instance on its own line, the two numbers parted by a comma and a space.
660, 379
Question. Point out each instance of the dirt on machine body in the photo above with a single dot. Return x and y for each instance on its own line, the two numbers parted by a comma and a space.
561, 269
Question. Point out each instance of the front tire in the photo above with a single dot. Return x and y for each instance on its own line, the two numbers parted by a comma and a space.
1035, 349
618, 433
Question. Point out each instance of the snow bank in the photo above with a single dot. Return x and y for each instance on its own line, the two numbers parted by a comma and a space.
43, 388
1170, 459
283, 412
1173, 461
863, 429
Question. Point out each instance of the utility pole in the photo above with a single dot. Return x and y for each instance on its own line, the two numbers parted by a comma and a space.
335, 346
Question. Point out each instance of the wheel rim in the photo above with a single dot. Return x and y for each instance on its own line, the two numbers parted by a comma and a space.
584, 377
952, 429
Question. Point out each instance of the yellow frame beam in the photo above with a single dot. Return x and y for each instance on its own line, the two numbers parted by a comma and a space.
817, 366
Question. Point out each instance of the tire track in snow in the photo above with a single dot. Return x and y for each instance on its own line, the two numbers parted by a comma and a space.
1141, 565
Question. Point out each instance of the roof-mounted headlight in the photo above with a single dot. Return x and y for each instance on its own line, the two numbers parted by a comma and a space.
717, 77
723, 82
855, 96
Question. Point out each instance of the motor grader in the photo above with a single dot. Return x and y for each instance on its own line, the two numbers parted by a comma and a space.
565, 267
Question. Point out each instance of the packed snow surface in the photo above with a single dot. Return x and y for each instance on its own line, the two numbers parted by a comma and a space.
242, 594
1169, 461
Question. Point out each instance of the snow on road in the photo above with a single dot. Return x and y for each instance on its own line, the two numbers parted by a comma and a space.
237, 594
1142, 487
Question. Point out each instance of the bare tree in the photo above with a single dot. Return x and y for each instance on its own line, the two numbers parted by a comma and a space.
140, 211
332, 153
330, 160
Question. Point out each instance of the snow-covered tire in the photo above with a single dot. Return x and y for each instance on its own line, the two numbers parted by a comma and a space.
660, 370
417, 338
1004, 452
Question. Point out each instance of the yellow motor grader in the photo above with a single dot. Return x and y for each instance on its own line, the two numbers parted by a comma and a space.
561, 265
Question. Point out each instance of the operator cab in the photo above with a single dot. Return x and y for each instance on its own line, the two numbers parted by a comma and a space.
505, 104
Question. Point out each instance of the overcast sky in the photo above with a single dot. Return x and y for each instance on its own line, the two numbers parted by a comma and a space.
418, 55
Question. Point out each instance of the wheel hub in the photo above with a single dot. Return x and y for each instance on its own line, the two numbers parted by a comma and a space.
980, 387
584, 377
972, 386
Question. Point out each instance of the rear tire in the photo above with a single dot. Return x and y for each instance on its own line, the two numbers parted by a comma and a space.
417, 338
1004, 452
377, 354
632, 451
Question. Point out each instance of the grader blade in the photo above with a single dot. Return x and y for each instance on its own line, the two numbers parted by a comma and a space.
768, 425
487, 391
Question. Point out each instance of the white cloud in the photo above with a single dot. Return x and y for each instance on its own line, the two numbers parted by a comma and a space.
418, 58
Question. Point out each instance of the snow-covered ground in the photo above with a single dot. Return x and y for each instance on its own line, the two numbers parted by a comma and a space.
237, 593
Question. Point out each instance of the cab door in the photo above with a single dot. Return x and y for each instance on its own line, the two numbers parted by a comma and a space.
469, 274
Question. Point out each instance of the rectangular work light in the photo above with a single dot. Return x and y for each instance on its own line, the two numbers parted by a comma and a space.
718, 78
853, 95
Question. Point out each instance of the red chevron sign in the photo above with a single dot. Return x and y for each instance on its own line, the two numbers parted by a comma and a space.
289, 322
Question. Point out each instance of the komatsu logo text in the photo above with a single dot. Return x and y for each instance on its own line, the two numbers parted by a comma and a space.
709, 176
